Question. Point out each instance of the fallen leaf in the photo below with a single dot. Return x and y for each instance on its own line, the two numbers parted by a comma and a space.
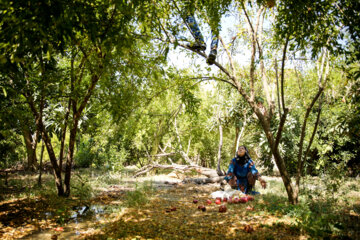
59, 229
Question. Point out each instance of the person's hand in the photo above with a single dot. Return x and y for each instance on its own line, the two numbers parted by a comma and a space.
263, 183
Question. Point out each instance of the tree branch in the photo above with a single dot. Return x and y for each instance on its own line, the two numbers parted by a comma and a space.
282, 73
277, 87
313, 133
280, 128
229, 56
302, 137
183, 154
263, 72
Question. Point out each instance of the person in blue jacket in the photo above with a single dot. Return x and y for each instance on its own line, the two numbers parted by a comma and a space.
243, 168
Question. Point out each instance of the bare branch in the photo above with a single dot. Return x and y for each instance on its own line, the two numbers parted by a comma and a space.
253, 53
229, 55
203, 79
277, 87
320, 67
218, 169
302, 137
283, 74
253, 31
280, 128
263, 72
86, 56
188, 148
314, 132
183, 154
94, 80
240, 135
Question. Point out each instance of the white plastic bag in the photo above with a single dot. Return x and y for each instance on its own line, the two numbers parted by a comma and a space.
225, 194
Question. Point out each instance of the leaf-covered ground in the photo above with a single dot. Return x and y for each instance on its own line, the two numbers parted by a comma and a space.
124, 208
154, 220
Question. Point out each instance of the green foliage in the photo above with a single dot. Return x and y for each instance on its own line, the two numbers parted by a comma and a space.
14, 118
132, 110
81, 187
320, 216
323, 208
11, 148
85, 155
116, 158
338, 142
302, 20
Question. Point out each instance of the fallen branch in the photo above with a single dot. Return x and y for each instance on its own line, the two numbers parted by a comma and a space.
208, 172
203, 180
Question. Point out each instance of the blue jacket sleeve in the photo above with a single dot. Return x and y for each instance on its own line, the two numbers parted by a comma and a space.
231, 168
230, 172
252, 167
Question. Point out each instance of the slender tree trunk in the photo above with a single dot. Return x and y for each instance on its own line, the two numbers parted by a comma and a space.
63, 135
69, 159
240, 136
48, 144
265, 117
30, 151
30, 144
157, 140
237, 130
292, 195
41, 160
218, 169
53, 160
181, 149
75, 122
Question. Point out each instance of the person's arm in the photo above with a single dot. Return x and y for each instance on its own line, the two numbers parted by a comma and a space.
256, 173
261, 180
230, 172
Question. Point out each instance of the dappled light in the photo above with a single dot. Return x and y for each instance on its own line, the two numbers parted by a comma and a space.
153, 221
201, 119
145, 209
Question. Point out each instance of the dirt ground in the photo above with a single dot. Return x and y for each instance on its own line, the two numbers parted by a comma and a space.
163, 209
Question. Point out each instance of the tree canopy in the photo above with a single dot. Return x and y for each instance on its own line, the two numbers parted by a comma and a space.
94, 82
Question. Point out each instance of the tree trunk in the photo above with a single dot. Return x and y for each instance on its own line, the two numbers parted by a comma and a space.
181, 149
56, 167
237, 131
41, 160
69, 159
63, 135
292, 195
218, 169
48, 144
30, 144
76, 116
157, 140
239, 136
274, 146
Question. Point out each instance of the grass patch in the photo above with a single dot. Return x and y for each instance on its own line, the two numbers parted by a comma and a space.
140, 196
323, 210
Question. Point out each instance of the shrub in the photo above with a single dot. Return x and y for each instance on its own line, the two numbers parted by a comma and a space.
85, 156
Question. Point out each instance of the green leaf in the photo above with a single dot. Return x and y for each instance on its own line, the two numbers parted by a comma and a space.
4, 91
